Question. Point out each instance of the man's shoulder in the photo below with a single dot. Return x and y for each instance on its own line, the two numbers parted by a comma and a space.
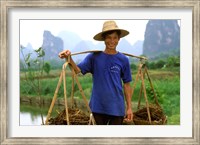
122, 55
96, 54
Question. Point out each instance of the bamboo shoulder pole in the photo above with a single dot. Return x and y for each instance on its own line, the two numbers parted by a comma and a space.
93, 51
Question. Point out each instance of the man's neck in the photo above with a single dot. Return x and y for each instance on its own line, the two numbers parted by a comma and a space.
110, 51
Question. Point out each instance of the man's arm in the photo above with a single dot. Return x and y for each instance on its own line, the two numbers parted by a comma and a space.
128, 96
66, 54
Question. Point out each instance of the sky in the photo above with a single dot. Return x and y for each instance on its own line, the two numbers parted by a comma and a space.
31, 31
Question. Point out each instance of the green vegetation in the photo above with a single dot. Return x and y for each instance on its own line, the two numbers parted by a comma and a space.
167, 88
166, 83
164, 73
33, 72
160, 63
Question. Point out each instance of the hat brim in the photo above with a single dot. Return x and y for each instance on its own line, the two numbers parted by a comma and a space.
99, 37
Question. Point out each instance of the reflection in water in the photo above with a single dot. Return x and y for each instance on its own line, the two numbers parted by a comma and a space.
31, 114
29, 119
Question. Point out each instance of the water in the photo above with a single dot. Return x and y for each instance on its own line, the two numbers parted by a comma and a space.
31, 114
26, 118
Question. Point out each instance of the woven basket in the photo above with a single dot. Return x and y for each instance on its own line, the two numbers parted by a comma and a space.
156, 113
139, 121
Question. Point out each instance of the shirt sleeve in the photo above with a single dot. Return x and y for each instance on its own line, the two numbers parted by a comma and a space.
126, 73
86, 65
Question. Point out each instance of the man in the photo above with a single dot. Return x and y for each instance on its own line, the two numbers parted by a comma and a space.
109, 69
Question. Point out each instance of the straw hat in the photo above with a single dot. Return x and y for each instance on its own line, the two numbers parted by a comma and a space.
109, 26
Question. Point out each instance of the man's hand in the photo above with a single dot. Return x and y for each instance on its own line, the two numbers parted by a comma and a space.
64, 54
129, 115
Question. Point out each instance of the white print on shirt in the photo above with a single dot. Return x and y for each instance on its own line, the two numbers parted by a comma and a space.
115, 69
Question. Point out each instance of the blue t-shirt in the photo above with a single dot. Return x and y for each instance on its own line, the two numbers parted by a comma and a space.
108, 73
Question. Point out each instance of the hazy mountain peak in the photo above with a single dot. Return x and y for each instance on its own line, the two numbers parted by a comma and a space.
161, 36
70, 39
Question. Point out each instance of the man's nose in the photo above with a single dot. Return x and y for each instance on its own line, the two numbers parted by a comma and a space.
112, 40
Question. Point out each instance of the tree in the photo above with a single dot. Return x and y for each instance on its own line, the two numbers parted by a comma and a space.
133, 66
173, 61
160, 64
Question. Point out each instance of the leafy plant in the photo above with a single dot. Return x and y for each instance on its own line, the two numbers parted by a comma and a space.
33, 77
47, 67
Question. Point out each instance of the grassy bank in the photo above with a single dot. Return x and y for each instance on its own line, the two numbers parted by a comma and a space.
166, 84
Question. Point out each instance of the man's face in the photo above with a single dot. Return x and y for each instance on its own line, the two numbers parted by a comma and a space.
111, 40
